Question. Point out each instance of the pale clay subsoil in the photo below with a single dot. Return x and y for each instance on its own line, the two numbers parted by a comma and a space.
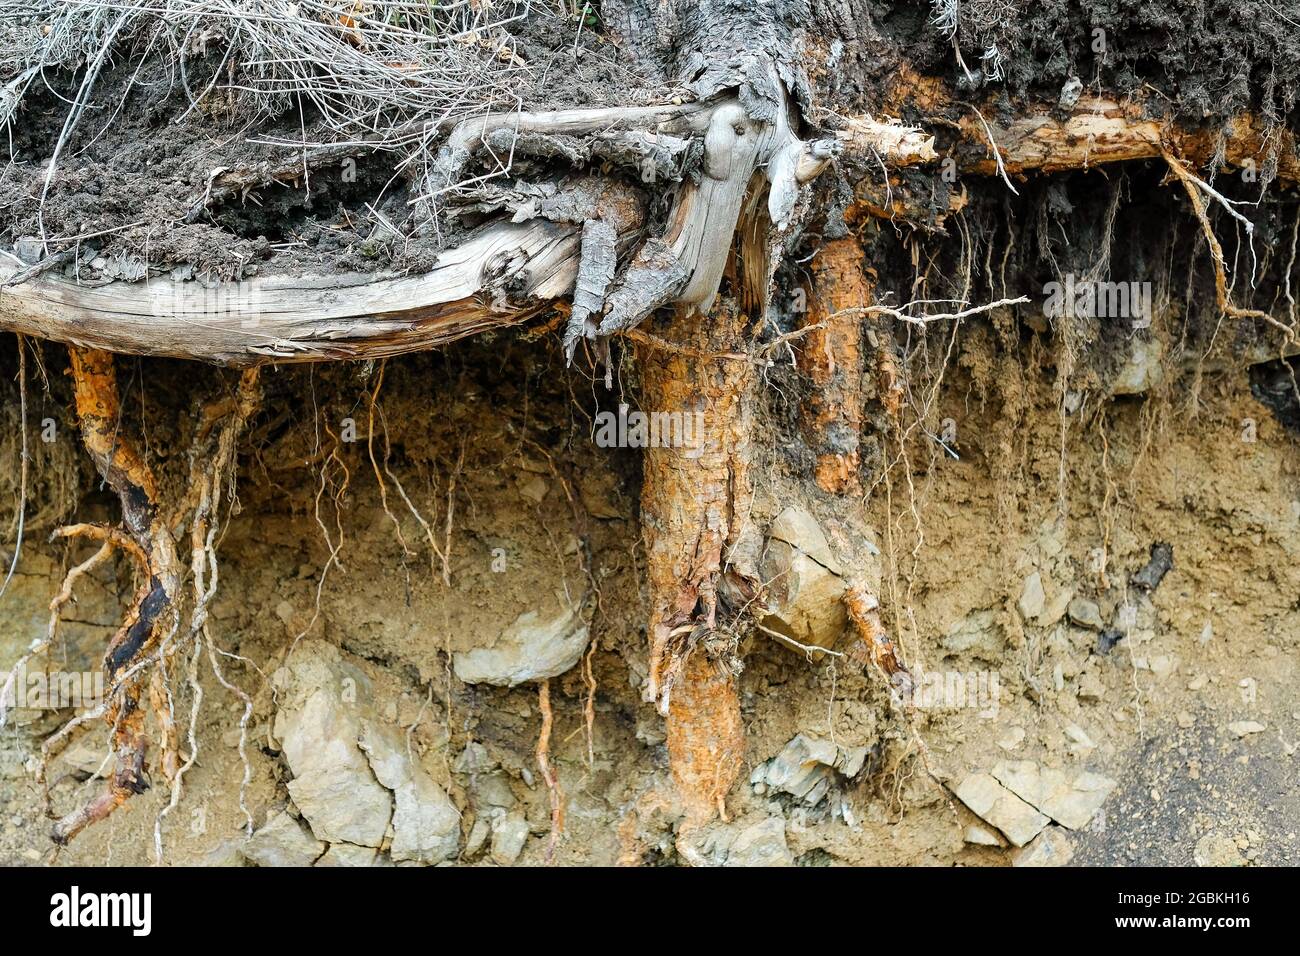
1216, 645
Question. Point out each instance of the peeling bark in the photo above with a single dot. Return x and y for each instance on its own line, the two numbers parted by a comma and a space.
700, 547
833, 361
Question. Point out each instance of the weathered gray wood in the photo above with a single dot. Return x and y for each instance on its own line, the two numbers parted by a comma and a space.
310, 318
319, 318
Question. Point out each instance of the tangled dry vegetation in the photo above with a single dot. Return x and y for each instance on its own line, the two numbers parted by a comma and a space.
389, 75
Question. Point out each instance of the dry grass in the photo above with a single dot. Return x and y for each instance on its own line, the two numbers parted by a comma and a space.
390, 73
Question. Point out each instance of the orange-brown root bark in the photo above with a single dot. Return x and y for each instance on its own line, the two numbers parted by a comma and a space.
833, 361
699, 545
152, 611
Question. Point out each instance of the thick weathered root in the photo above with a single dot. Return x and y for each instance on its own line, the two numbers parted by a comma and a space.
700, 546
875, 649
833, 361
554, 794
152, 613
706, 740
145, 639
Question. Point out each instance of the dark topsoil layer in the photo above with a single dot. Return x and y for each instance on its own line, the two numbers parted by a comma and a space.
133, 175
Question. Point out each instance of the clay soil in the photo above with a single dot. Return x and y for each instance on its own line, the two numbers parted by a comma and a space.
541, 516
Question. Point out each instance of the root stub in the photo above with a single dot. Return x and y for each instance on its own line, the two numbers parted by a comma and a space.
706, 741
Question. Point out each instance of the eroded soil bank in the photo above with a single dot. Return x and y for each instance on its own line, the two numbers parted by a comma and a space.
1163, 708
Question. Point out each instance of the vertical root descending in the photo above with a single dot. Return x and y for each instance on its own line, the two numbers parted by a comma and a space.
147, 637
701, 548
152, 614
706, 739
833, 360
553, 792
212, 476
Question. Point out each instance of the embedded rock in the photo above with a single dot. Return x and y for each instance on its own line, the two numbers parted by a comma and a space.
282, 842
803, 584
1070, 800
762, 844
322, 705
426, 826
533, 647
806, 768
997, 805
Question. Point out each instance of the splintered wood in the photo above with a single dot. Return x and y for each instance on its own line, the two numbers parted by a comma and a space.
874, 649
694, 506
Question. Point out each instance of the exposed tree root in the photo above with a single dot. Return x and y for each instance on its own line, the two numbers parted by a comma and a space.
706, 739
833, 360
146, 638
153, 614
700, 549
880, 655
553, 792
875, 649
212, 474
1194, 186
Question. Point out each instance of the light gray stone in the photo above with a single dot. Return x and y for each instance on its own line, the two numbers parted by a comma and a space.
509, 834
534, 489
227, 853
345, 854
1217, 849
478, 837
762, 844
1072, 800
1142, 370
29, 249
1244, 728
426, 825
1032, 597
977, 633
282, 841
997, 805
85, 758
804, 599
533, 647
474, 759
982, 836
1087, 614
1055, 609
322, 704
1050, 848
807, 767
489, 790
799, 529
